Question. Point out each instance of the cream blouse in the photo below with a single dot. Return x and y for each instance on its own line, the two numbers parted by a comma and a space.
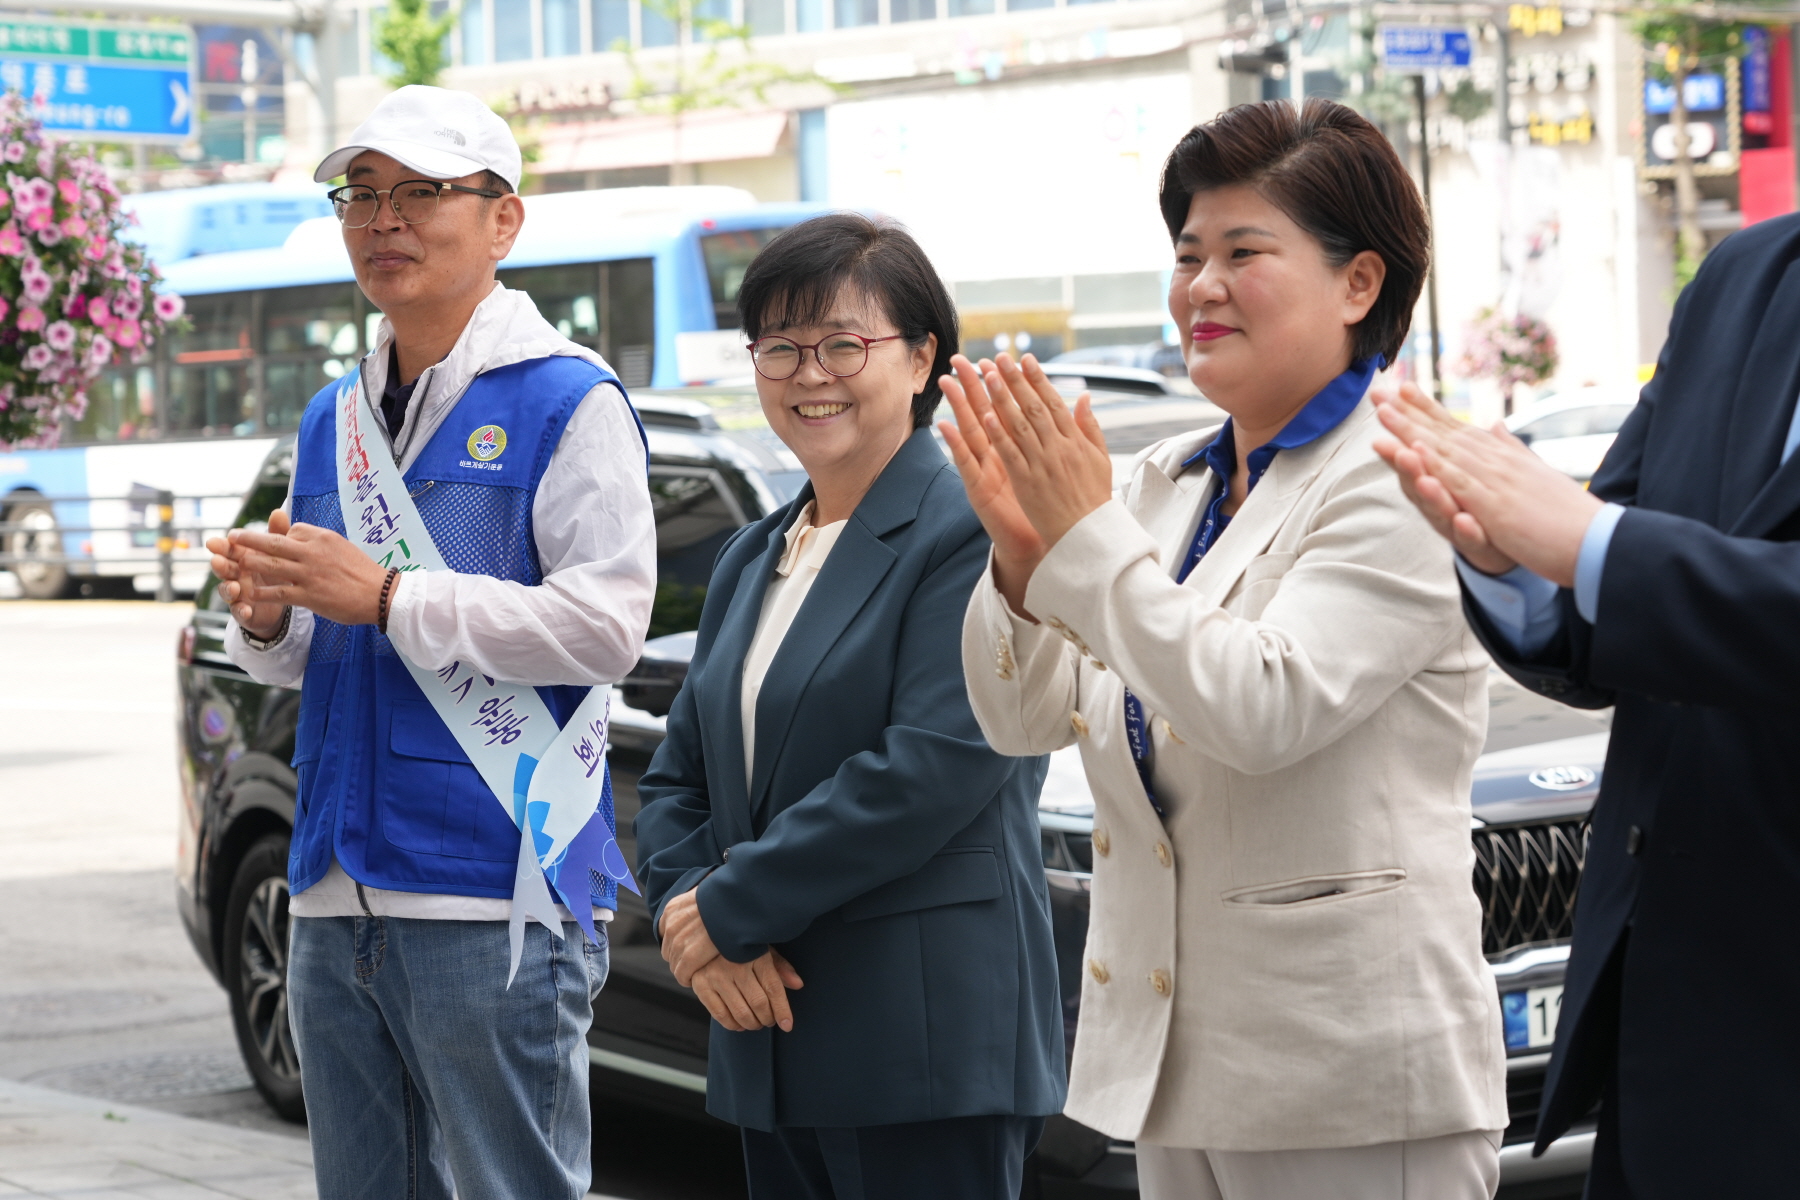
808, 545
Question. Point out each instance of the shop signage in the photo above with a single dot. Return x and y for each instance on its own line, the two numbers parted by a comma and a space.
1704, 93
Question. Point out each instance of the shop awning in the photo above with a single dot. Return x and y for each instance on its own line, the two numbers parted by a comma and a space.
652, 141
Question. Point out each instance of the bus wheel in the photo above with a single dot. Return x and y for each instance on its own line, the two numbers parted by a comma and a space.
38, 539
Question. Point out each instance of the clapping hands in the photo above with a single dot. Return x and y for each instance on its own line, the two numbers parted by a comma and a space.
1499, 504
1032, 468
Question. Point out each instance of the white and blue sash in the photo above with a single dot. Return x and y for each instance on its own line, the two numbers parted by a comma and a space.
553, 777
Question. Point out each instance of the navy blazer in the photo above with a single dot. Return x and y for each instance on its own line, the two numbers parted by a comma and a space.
883, 847
1683, 972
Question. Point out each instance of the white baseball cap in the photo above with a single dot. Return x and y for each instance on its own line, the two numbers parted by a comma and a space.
437, 132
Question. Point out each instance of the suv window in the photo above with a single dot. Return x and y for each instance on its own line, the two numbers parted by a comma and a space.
695, 513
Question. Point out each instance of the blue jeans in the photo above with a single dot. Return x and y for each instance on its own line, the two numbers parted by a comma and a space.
425, 1076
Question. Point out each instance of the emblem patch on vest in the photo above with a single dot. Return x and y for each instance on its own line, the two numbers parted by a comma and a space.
486, 443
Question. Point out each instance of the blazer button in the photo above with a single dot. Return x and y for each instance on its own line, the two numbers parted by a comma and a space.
1098, 970
1169, 732
1098, 665
1080, 726
1634, 840
725, 854
1160, 983
1162, 853
1102, 843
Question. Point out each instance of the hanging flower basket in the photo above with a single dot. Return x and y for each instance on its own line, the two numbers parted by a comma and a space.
1509, 350
74, 298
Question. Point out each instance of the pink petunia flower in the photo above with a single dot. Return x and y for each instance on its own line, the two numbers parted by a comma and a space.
127, 334
4, 308
75, 227
10, 242
30, 319
135, 286
37, 288
15, 152
169, 306
101, 352
127, 306
96, 249
60, 335
71, 191
75, 307
36, 193
39, 219
37, 358
98, 312
50, 235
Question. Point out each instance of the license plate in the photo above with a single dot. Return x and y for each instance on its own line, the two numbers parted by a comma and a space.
1530, 1017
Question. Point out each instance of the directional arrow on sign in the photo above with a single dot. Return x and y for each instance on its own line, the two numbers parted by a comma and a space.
179, 90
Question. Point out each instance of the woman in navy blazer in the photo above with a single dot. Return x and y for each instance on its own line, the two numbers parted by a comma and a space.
859, 901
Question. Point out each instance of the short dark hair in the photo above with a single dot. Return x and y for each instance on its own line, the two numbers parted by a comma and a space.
797, 278
493, 181
1335, 176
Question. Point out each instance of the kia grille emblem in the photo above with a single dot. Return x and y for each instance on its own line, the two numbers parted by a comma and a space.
1561, 779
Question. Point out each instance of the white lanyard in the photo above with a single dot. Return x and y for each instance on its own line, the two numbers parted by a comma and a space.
553, 777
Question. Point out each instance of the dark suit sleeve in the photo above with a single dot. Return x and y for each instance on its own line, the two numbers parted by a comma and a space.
675, 842
886, 811
1562, 670
1692, 615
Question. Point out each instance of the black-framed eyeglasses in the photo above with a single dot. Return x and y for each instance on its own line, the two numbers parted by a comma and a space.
842, 354
415, 201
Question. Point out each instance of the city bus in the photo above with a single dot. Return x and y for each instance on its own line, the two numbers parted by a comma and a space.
646, 276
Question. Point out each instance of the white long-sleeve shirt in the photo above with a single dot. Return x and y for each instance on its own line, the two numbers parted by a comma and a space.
595, 536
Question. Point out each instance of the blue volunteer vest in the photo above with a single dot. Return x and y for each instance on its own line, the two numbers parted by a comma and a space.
383, 784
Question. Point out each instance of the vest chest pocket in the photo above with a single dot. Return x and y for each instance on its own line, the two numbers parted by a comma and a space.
430, 799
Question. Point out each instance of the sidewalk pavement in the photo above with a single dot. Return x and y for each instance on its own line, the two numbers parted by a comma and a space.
55, 1144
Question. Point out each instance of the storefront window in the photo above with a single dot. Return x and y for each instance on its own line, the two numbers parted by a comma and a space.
857, 12
656, 29
562, 28
512, 30
765, 18
612, 23
474, 34
914, 10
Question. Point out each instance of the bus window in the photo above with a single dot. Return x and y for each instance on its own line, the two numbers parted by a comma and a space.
629, 286
727, 257
311, 336
121, 407
210, 393
568, 298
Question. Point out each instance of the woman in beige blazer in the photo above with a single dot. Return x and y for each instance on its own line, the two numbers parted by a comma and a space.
1260, 650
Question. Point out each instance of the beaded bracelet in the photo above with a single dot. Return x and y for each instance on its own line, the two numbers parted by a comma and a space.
381, 605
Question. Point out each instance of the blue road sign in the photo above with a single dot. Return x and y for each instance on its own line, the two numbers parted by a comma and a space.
107, 80
104, 101
1423, 47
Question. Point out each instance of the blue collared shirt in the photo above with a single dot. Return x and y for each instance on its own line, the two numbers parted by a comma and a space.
1318, 417
1521, 604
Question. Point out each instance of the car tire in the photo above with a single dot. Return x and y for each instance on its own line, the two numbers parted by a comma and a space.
255, 973
37, 580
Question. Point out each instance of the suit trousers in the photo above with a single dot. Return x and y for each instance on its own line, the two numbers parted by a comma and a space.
1457, 1166
959, 1158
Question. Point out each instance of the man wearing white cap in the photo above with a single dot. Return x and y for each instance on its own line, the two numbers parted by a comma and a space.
465, 561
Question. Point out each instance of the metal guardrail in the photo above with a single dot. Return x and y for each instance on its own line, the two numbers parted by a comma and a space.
166, 532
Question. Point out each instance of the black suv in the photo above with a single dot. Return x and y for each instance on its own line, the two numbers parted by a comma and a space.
713, 467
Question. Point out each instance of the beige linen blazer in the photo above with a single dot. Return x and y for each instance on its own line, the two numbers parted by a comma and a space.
1292, 959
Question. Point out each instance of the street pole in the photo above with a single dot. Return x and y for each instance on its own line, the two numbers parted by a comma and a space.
1437, 370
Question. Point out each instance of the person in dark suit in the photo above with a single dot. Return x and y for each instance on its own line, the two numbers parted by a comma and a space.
824, 817
1671, 589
